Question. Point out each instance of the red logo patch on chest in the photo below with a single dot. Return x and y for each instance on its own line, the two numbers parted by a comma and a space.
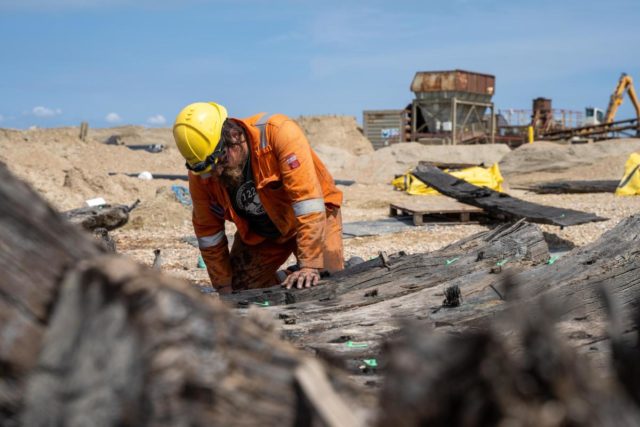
292, 161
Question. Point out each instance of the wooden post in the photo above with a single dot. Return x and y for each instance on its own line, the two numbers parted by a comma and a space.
84, 129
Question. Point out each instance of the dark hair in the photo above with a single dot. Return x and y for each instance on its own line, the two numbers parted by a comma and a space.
228, 127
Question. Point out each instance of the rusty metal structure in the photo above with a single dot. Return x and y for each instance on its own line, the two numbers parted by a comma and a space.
450, 107
542, 116
512, 124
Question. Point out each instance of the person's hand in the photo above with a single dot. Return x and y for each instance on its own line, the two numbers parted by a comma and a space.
226, 289
303, 278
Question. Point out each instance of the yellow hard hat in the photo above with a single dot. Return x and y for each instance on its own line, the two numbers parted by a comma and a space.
197, 131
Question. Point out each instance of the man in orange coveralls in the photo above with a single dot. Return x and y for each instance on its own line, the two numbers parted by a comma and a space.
261, 174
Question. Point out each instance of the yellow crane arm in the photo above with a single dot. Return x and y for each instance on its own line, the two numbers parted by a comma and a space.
634, 100
624, 84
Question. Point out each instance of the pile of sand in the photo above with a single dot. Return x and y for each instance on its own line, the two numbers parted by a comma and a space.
68, 171
335, 131
382, 165
545, 161
133, 135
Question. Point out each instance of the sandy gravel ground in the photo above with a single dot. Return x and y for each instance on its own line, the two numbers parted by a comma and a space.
67, 171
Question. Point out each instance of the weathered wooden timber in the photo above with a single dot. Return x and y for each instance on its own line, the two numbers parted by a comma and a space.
348, 319
572, 187
107, 216
500, 205
95, 339
571, 281
126, 345
37, 245
519, 242
480, 378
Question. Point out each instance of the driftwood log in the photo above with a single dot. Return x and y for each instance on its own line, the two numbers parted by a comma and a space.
573, 187
481, 378
499, 205
106, 216
528, 366
95, 339
37, 247
348, 318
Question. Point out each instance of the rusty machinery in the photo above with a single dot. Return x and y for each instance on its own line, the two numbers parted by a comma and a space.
450, 107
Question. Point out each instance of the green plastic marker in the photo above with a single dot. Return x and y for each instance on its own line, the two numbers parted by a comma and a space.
451, 261
372, 363
352, 344
553, 259
262, 304
501, 263
200, 262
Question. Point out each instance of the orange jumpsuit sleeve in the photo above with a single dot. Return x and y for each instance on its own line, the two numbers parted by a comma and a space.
301, 182
209, 230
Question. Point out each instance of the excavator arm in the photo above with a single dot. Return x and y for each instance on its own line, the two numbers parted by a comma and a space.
624, 84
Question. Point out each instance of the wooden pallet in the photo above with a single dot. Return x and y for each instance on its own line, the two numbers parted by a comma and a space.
438, 210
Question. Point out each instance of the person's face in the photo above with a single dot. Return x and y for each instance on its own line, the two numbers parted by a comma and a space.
236, 152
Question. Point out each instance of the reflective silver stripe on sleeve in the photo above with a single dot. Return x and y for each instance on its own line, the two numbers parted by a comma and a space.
261, 125
209, 241
308, 206
263, 120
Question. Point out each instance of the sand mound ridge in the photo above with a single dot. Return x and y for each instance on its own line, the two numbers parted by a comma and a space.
68, 171
545, 161
335, 131
382, 165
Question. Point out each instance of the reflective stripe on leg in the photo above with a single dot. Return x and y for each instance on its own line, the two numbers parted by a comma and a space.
209, 241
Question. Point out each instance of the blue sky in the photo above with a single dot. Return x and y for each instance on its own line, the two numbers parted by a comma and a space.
113, 62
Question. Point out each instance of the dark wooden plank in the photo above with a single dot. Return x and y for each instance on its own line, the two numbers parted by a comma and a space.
500, 205
573, 187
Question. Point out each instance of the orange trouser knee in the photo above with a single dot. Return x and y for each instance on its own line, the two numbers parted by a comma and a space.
255, 266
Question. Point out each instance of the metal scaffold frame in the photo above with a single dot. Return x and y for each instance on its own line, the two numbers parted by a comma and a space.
474, 112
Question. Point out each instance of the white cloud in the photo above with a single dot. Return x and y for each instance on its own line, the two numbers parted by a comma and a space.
113, 118
41, 111
158, 119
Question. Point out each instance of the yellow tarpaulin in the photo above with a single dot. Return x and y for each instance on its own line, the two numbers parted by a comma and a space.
630, 182
482, 177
